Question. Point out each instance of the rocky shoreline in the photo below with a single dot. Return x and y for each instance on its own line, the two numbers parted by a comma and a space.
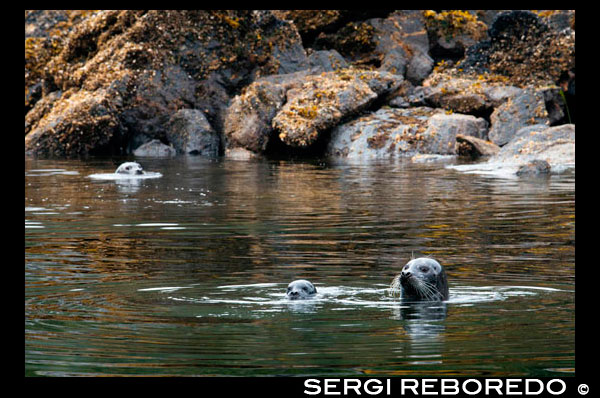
339, 83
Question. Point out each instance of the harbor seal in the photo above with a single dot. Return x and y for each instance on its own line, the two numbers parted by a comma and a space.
421, 279
300, 289
130, 168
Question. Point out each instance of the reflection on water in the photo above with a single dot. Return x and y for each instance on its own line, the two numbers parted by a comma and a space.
186, 274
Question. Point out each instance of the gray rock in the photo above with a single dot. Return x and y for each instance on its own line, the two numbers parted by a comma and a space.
403, 45
475, 147
556, 145
392, 132
327, 60
534, 168
525, 109
419, 67
442, 129
190, 133
497, 95
532, 150
463, 95
154, 148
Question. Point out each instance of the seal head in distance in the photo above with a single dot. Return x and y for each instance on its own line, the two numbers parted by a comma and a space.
130, 168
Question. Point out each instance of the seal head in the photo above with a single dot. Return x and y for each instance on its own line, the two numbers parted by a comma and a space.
300, 289
130, 168
422, 279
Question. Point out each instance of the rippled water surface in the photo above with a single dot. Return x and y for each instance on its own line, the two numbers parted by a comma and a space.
186, 274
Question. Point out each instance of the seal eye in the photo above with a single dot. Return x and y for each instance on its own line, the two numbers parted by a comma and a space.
424, 269
304, 288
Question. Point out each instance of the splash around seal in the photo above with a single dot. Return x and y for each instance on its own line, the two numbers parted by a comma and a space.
127, 170
421, 279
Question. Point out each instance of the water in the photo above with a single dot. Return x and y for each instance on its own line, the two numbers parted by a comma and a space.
186, 274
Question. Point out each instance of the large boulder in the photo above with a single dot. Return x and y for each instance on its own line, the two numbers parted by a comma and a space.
555, 145
248, 119
325, 100
391, 132
527, 108
190, 133
79, 123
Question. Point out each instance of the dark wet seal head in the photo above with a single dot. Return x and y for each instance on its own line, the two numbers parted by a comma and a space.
130, 168
300, 289
421, 279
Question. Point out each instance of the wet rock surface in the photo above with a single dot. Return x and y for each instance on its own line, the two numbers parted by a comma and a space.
534, 168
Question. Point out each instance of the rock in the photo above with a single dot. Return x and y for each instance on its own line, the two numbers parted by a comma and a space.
558, 19
325, 100
527, 108
496, 95
41, 108
312, 22
442, 129
535, 149
190, 133
391, 132
534, 168
403, 45
419, 67
248, 118
524, 50
327, 61
240, 154
154, 148
475, 147
149, 64
453, 31
556, 145
408, 95
555, 104
465, 94
397, 44
79, 123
